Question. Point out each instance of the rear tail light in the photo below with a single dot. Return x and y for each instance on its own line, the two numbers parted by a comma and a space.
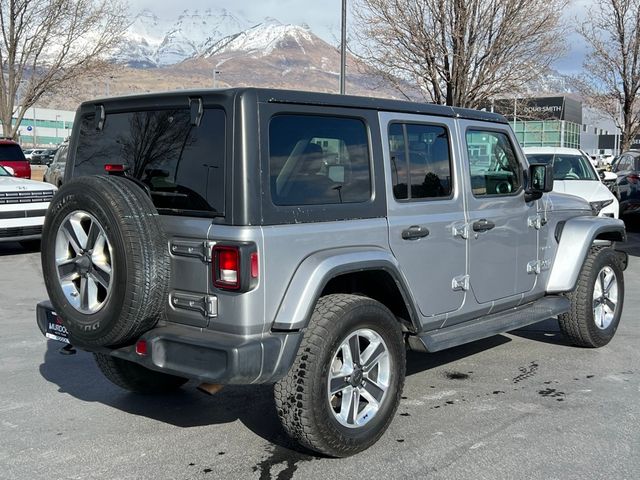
226, 265
235, 267
633, 178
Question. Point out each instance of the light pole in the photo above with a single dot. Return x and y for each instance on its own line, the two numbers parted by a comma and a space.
57, 117
343, 47
215, 72
35, 134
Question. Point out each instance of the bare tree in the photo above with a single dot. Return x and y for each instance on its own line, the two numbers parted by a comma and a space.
611, 77
46, 44
459, 52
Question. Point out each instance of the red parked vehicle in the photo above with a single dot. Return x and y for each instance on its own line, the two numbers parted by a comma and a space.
11, 156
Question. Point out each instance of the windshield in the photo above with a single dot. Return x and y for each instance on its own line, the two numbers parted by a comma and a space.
566, 166
181, 164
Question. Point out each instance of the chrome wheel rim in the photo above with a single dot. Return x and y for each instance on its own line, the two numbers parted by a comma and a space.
605, 297
359, 377
84, 262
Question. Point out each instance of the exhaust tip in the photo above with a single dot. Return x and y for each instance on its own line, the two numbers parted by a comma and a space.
210, 388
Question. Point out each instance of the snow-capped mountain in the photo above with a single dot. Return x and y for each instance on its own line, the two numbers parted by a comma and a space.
263, 39
183, 52
154, 42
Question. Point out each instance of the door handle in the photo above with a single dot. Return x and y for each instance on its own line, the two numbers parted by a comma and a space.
414, 232
483, 225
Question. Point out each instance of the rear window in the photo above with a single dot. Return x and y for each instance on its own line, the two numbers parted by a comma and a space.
181, 164
11, 152
318, 160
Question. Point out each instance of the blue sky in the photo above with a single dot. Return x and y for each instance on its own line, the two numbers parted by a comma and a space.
324, 18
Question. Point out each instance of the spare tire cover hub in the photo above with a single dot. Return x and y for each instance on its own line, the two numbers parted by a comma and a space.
83, 262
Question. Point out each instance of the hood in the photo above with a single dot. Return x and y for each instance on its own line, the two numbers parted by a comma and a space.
560, 201
14, 184
590, 190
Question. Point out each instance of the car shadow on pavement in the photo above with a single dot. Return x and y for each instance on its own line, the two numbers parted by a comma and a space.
78, 376
14, 248
547, 331
253, 405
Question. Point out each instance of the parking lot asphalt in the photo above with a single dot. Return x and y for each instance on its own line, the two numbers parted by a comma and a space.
520, 405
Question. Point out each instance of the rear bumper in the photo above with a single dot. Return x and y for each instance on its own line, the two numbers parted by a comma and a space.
204, 355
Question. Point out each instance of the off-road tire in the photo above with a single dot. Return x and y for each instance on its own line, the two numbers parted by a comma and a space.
136, 378
579, 324
140, 259
301, 396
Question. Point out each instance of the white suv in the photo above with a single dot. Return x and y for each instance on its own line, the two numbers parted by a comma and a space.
23, 204
573, 173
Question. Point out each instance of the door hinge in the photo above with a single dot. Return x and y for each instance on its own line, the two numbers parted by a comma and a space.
460, 283
190, 248
534, 266
536, 221
461, 230
207, 305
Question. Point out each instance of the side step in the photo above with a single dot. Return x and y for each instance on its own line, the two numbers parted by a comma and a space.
490, 325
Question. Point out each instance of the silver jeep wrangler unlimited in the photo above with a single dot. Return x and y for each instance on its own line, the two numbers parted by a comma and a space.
248, 236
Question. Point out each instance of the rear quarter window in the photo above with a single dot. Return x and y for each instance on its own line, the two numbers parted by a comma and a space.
318, 160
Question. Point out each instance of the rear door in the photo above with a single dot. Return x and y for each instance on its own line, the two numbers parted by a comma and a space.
503, 238
425, 204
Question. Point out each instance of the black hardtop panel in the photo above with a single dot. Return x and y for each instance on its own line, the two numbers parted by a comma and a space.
266, 95
373, 103
176, 98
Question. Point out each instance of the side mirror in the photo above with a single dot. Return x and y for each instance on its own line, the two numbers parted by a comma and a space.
540, 181
609, 176
11, 171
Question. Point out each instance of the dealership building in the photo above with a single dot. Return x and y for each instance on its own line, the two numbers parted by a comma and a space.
555, 121
44, 127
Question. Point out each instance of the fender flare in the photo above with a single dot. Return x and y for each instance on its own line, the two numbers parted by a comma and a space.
576, 238
315, 271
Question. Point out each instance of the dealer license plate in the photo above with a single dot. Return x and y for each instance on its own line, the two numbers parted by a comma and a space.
55, 329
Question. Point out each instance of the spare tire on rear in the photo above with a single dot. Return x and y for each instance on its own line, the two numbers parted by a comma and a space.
105, 260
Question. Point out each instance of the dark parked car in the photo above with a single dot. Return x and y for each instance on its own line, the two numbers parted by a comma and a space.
11, 156
44, 157
627, 186
54, 174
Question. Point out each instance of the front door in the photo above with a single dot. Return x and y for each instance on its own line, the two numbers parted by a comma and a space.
503, 238
425, 203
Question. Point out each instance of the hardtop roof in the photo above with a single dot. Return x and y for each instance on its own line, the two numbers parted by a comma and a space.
299, 97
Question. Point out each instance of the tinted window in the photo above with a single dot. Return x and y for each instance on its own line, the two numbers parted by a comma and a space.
625, 163
493, 165
565, 166
11, 152
61, 155
318, 160
419, 158
182, 164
